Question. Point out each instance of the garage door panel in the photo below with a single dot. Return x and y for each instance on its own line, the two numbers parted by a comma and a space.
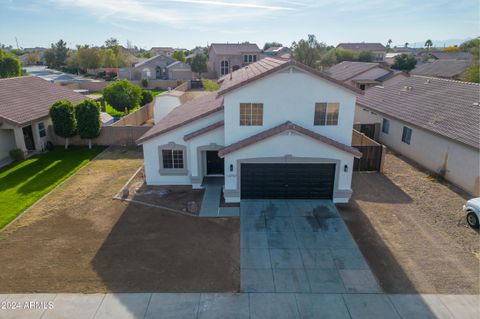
290, 181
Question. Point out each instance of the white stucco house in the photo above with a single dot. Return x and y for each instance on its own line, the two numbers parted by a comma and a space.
24, 107
434, 122
275, 129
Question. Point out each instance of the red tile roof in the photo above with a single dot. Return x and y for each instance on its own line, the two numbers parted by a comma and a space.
27, 98
282, 128
446, 107
267, 66
203, 130
184, 114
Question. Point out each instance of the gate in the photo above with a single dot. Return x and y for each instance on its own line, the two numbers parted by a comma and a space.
371, 159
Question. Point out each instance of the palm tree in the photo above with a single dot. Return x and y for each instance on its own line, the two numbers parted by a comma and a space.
389, 44
406, 44
429, 44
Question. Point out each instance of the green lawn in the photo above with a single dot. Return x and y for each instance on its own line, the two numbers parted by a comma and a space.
22, 184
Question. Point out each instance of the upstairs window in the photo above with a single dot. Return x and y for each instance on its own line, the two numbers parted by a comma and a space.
406, 135
326, 113
248, 58
172, 158
224, 67
385, 126
41, 129
251, 114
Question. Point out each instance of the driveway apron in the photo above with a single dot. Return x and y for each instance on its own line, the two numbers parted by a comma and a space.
300, 246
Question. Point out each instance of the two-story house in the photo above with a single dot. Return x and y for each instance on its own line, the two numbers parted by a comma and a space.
275, 129
224, 58
377, 49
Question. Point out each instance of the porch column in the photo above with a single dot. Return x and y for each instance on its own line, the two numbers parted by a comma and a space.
19, 139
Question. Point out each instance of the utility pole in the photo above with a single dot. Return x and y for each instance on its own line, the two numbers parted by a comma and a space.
16, 40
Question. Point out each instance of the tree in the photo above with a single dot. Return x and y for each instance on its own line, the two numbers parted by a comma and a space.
428, 44
404, 62
389, 45
452, 48
62, 114
179, 56
89, 58
88, 120
61, 53
10, 65
269, 45
111, 43
147, 97
406, 44
122, 95
199, 64
345, 55
365, 56
308, 51
472, 74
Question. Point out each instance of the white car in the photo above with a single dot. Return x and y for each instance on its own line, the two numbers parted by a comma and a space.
472, 209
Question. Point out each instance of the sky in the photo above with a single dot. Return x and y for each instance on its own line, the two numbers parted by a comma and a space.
188, 23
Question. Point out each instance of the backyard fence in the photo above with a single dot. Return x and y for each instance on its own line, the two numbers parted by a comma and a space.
373, 153
109, 135
137, 118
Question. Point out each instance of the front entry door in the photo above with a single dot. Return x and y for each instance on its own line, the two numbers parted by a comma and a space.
214, 163
28, 137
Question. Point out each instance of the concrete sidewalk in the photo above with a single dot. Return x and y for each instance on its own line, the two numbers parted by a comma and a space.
251, 305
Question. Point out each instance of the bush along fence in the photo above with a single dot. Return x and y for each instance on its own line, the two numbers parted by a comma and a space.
109, 135
138, 117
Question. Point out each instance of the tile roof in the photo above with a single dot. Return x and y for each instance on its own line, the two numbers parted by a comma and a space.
452, 55
267, 66
362, 46
287, 126
186, 113
445, 107
442, 68
234, 48
28, 98
203, 130
348, 69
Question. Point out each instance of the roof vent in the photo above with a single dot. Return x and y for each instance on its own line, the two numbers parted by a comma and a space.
427, 81
476, 104
407, 88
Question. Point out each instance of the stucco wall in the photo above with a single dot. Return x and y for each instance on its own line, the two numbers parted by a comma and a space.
431, 151
7, 143
297, 146
290, 97
151, 155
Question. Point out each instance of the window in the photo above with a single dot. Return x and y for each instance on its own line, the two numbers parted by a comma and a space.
172, 158
385, 126
251, 114
326, 113
406, 135
249, 58
41, 129
224, 67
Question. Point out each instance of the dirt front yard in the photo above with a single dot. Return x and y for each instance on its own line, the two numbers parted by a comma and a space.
81, 240
412, 231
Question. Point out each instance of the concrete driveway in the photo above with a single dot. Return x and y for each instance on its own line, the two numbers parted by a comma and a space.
299, 246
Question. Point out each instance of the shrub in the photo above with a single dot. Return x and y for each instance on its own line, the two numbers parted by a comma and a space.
88, 117
145, 83
17, 154
122, 95
147, 97
63, 118
210, 85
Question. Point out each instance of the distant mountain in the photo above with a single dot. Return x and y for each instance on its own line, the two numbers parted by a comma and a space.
438, 43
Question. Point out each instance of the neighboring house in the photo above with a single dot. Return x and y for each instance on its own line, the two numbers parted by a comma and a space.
362, 75
168, 51
449, 69
224, 58
159, 67
24, 106
276, 51
434, 122
377, 49
275, 129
